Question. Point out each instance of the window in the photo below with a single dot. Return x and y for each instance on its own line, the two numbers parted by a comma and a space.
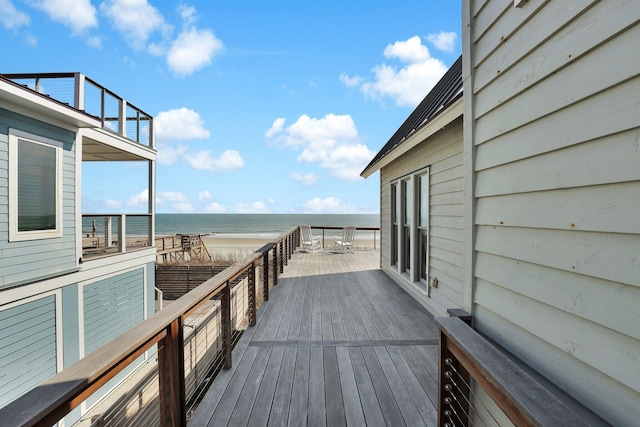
406, 225
394, 224
410, 226
423, 225
35, 192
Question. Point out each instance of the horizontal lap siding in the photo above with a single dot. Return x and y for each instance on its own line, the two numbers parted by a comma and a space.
30, 260
27, 347
443, 152
557, 131
111, 307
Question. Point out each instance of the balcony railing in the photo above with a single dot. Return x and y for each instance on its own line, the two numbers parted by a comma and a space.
475, 377
84, 94
110, 234
174, 383
363, 234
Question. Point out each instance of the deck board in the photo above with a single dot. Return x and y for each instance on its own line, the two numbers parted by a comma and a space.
338, 343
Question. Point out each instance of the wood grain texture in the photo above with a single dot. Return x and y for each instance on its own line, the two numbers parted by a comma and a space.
339, 350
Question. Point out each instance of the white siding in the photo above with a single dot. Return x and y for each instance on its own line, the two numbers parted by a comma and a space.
554, 89
443, 152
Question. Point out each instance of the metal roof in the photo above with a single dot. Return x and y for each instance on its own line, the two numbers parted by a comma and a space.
445, 92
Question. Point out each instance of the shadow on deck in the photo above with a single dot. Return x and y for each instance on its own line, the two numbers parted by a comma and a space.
338, 343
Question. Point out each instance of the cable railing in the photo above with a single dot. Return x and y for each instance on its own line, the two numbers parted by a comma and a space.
362, 234
110, 234
185, 344
84, 94
480, 386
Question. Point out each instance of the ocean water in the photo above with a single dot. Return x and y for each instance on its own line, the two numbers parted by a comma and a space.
255, 224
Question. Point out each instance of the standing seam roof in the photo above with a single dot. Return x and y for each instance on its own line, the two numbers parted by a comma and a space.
446, 91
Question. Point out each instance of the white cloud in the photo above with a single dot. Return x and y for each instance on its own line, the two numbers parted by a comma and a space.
215, 208
406, 85
170, 197
187, 13
113, 204
204, 195
331, 141
276, 127
411, 50
183, 207
328, 205
351, 81
255, 207
179, 125
192, 50
168, 155
95, 42
306, 178
139, 200
135, 19
444, 41
229, 160
10, 17
79, 15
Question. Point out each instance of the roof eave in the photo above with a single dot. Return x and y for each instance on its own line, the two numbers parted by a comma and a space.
28, 100
444, 118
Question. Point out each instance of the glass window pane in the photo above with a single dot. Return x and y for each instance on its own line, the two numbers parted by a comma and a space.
394, 210
424, 254
407, 249
36, 187
424, 200
407, 202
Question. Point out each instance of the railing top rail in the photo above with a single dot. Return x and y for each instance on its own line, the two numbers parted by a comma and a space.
523, 399
56, 396
98, 85
333, 227
98, 215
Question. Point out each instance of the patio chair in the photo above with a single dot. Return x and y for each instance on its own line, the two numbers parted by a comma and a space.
344, 243
308, 241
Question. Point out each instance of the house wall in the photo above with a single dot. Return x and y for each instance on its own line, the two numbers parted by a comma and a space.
28, 345
553, 90
48, 326
27, 261
443, 151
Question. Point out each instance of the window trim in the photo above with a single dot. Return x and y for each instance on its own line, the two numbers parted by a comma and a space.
411, 274
20, 236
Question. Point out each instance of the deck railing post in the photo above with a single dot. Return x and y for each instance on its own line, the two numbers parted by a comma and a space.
291, 245
285, 253
252, 294
171, 376
265, 275
281, 260
275, 264
225, 302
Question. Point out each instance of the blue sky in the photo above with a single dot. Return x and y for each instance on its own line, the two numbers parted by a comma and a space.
271, 107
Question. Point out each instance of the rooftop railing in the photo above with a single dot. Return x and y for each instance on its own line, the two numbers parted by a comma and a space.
82, 93
172, 384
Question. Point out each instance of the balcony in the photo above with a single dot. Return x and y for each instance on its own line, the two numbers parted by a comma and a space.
83, 94
335, 342
110, 234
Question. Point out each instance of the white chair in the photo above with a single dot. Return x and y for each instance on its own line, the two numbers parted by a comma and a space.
308, 241
344, 243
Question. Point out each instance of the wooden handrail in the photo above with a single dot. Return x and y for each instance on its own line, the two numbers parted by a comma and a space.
54, 398
525, 401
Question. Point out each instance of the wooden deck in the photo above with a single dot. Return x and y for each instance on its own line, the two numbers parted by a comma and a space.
338, 343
